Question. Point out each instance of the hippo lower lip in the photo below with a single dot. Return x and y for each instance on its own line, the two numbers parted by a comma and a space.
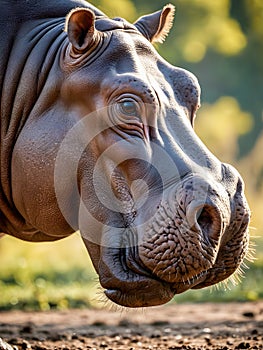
150, 292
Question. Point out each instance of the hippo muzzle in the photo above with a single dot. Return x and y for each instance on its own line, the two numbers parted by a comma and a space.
197, 236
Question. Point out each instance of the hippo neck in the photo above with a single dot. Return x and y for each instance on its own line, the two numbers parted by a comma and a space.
31, 77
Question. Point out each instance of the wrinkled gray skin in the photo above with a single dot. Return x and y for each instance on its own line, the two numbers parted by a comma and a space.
161, 214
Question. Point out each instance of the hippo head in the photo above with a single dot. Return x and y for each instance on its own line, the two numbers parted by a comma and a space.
159, 214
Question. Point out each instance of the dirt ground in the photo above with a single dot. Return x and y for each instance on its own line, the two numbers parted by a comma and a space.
190, 326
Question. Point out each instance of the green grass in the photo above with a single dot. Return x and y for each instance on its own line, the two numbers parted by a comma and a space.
42, 276
60, 275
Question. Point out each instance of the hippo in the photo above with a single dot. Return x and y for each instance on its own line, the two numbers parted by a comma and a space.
97, 136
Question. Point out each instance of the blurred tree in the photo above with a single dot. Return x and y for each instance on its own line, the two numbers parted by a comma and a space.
249, 65
251, 168
221, 124
117, 8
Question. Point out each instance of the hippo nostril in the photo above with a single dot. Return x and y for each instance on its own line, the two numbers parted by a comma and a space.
204, 220
209, 221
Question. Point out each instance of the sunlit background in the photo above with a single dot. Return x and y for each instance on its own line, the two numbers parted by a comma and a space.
221, 42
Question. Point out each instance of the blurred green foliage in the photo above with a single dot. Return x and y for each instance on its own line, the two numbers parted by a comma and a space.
221, 42
117, 8
43, 276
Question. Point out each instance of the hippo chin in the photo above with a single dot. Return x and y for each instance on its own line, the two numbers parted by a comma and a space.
97, 136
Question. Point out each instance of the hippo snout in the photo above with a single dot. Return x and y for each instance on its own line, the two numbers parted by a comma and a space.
191, 230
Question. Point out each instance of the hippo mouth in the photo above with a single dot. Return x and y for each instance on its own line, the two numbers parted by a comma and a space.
129, 283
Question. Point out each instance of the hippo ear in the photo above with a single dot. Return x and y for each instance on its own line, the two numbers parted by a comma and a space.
156, 26
80, 27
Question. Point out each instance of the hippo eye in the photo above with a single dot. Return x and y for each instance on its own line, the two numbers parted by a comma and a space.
129, 108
